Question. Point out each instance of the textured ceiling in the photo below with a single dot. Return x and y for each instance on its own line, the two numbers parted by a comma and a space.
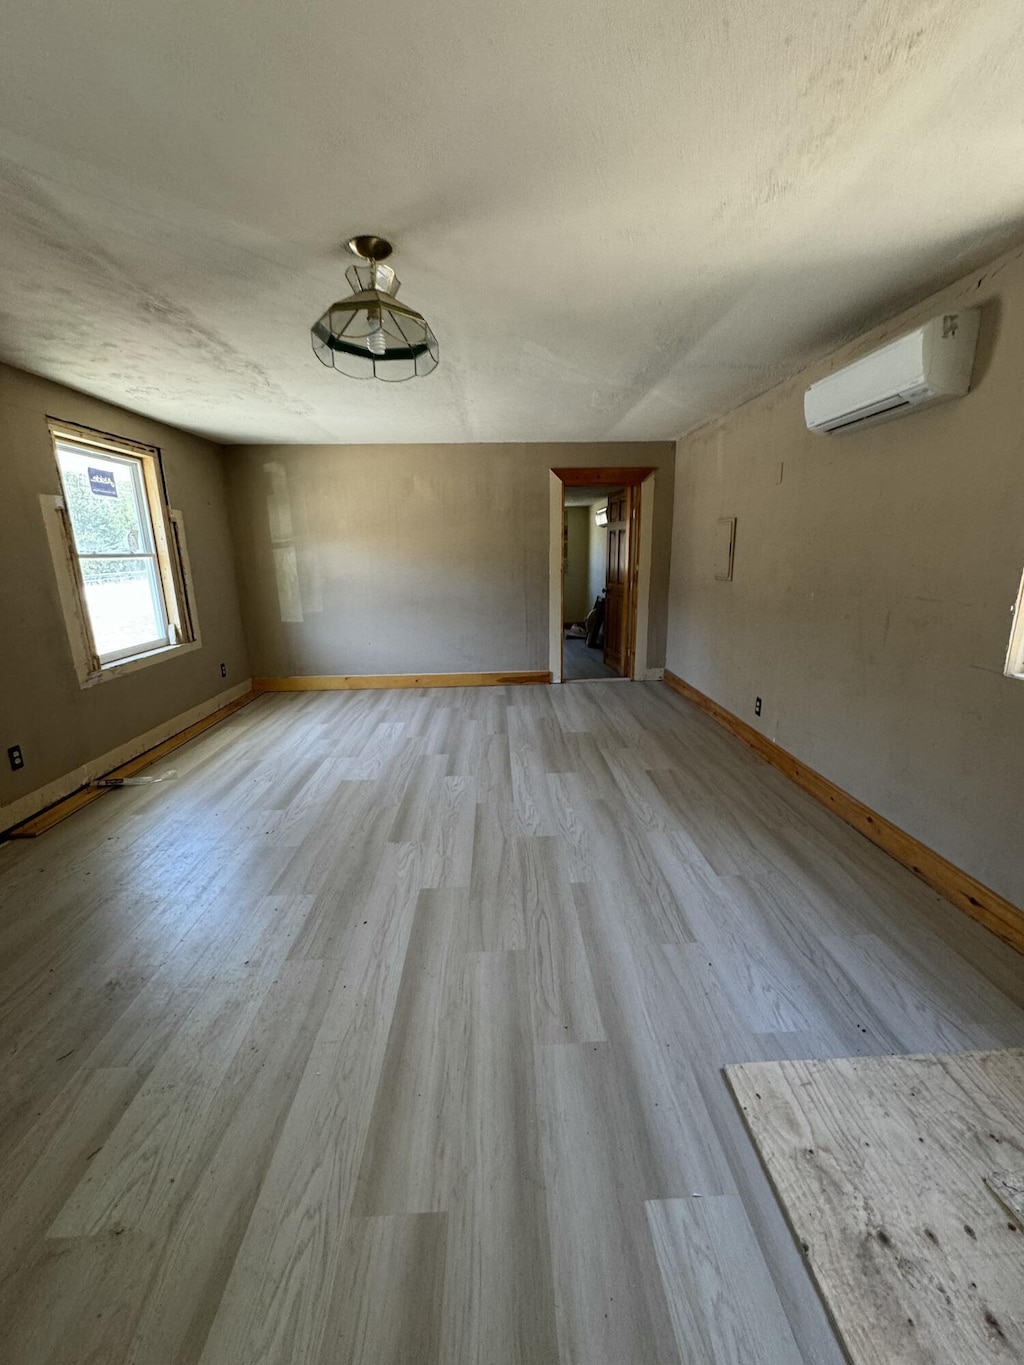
619, 219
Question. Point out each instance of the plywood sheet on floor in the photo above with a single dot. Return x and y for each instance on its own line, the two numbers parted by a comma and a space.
881, 1165
1008, 1188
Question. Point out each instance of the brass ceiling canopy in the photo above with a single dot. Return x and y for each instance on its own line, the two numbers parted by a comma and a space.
370, 335
371, 248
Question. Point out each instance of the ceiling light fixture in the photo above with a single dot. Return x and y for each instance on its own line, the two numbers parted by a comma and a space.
370, 335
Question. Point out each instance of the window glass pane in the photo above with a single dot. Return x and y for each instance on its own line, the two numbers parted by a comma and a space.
104, 502
123, 598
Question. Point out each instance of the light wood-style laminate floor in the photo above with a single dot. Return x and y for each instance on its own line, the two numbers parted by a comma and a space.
392, 1031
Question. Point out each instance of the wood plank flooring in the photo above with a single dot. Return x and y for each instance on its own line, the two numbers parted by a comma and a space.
392, 1031
881, 1163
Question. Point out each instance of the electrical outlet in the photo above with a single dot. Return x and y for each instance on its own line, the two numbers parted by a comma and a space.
15, 757
757, 706
223, 670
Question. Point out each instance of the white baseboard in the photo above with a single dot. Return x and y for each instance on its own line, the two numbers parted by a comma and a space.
653, 675
33, 802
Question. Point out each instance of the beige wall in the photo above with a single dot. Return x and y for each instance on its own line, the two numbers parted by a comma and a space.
401, 559
59, 724
870, 603
597, 569
574, 603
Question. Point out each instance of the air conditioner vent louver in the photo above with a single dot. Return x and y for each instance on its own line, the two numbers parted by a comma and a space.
929, 365
872, 414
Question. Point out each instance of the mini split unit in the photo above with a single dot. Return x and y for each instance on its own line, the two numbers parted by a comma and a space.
928, 366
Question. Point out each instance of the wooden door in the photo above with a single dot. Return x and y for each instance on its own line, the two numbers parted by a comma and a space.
617, 582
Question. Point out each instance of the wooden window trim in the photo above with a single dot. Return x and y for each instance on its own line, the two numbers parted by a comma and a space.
171, 556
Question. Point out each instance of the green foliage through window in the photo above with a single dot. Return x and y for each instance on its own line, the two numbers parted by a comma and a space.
107, 504
102, 525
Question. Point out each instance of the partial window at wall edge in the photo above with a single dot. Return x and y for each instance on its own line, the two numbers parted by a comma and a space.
1014, 667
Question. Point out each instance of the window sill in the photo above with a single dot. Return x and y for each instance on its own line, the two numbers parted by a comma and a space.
137, 661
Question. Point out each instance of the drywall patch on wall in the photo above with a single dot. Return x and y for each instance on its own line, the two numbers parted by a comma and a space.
869, 607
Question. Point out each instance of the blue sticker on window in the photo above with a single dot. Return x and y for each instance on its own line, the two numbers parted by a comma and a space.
101, 481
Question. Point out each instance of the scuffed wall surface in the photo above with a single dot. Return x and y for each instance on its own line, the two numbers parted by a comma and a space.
870, 606
405, 559
59, 724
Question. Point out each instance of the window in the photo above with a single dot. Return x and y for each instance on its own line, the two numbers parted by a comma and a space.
124, 548
1015, 654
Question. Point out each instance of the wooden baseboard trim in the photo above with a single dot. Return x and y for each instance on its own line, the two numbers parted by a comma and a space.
354, 682
996, 913
60, 810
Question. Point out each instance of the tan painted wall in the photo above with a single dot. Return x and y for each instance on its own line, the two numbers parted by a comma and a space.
59, 724
870, 603
575, 605
597, 539
400, 559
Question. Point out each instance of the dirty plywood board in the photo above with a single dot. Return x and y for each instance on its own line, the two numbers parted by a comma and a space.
1008, 1188
880, 1165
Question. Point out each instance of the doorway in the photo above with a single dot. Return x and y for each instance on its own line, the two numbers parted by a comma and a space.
599, 572
592, 583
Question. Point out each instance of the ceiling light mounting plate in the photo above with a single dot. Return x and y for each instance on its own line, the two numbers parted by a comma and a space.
370, 247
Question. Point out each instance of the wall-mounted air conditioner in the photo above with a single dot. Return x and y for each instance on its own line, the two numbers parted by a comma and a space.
929, 365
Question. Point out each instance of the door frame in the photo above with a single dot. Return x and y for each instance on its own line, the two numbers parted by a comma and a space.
640, 480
